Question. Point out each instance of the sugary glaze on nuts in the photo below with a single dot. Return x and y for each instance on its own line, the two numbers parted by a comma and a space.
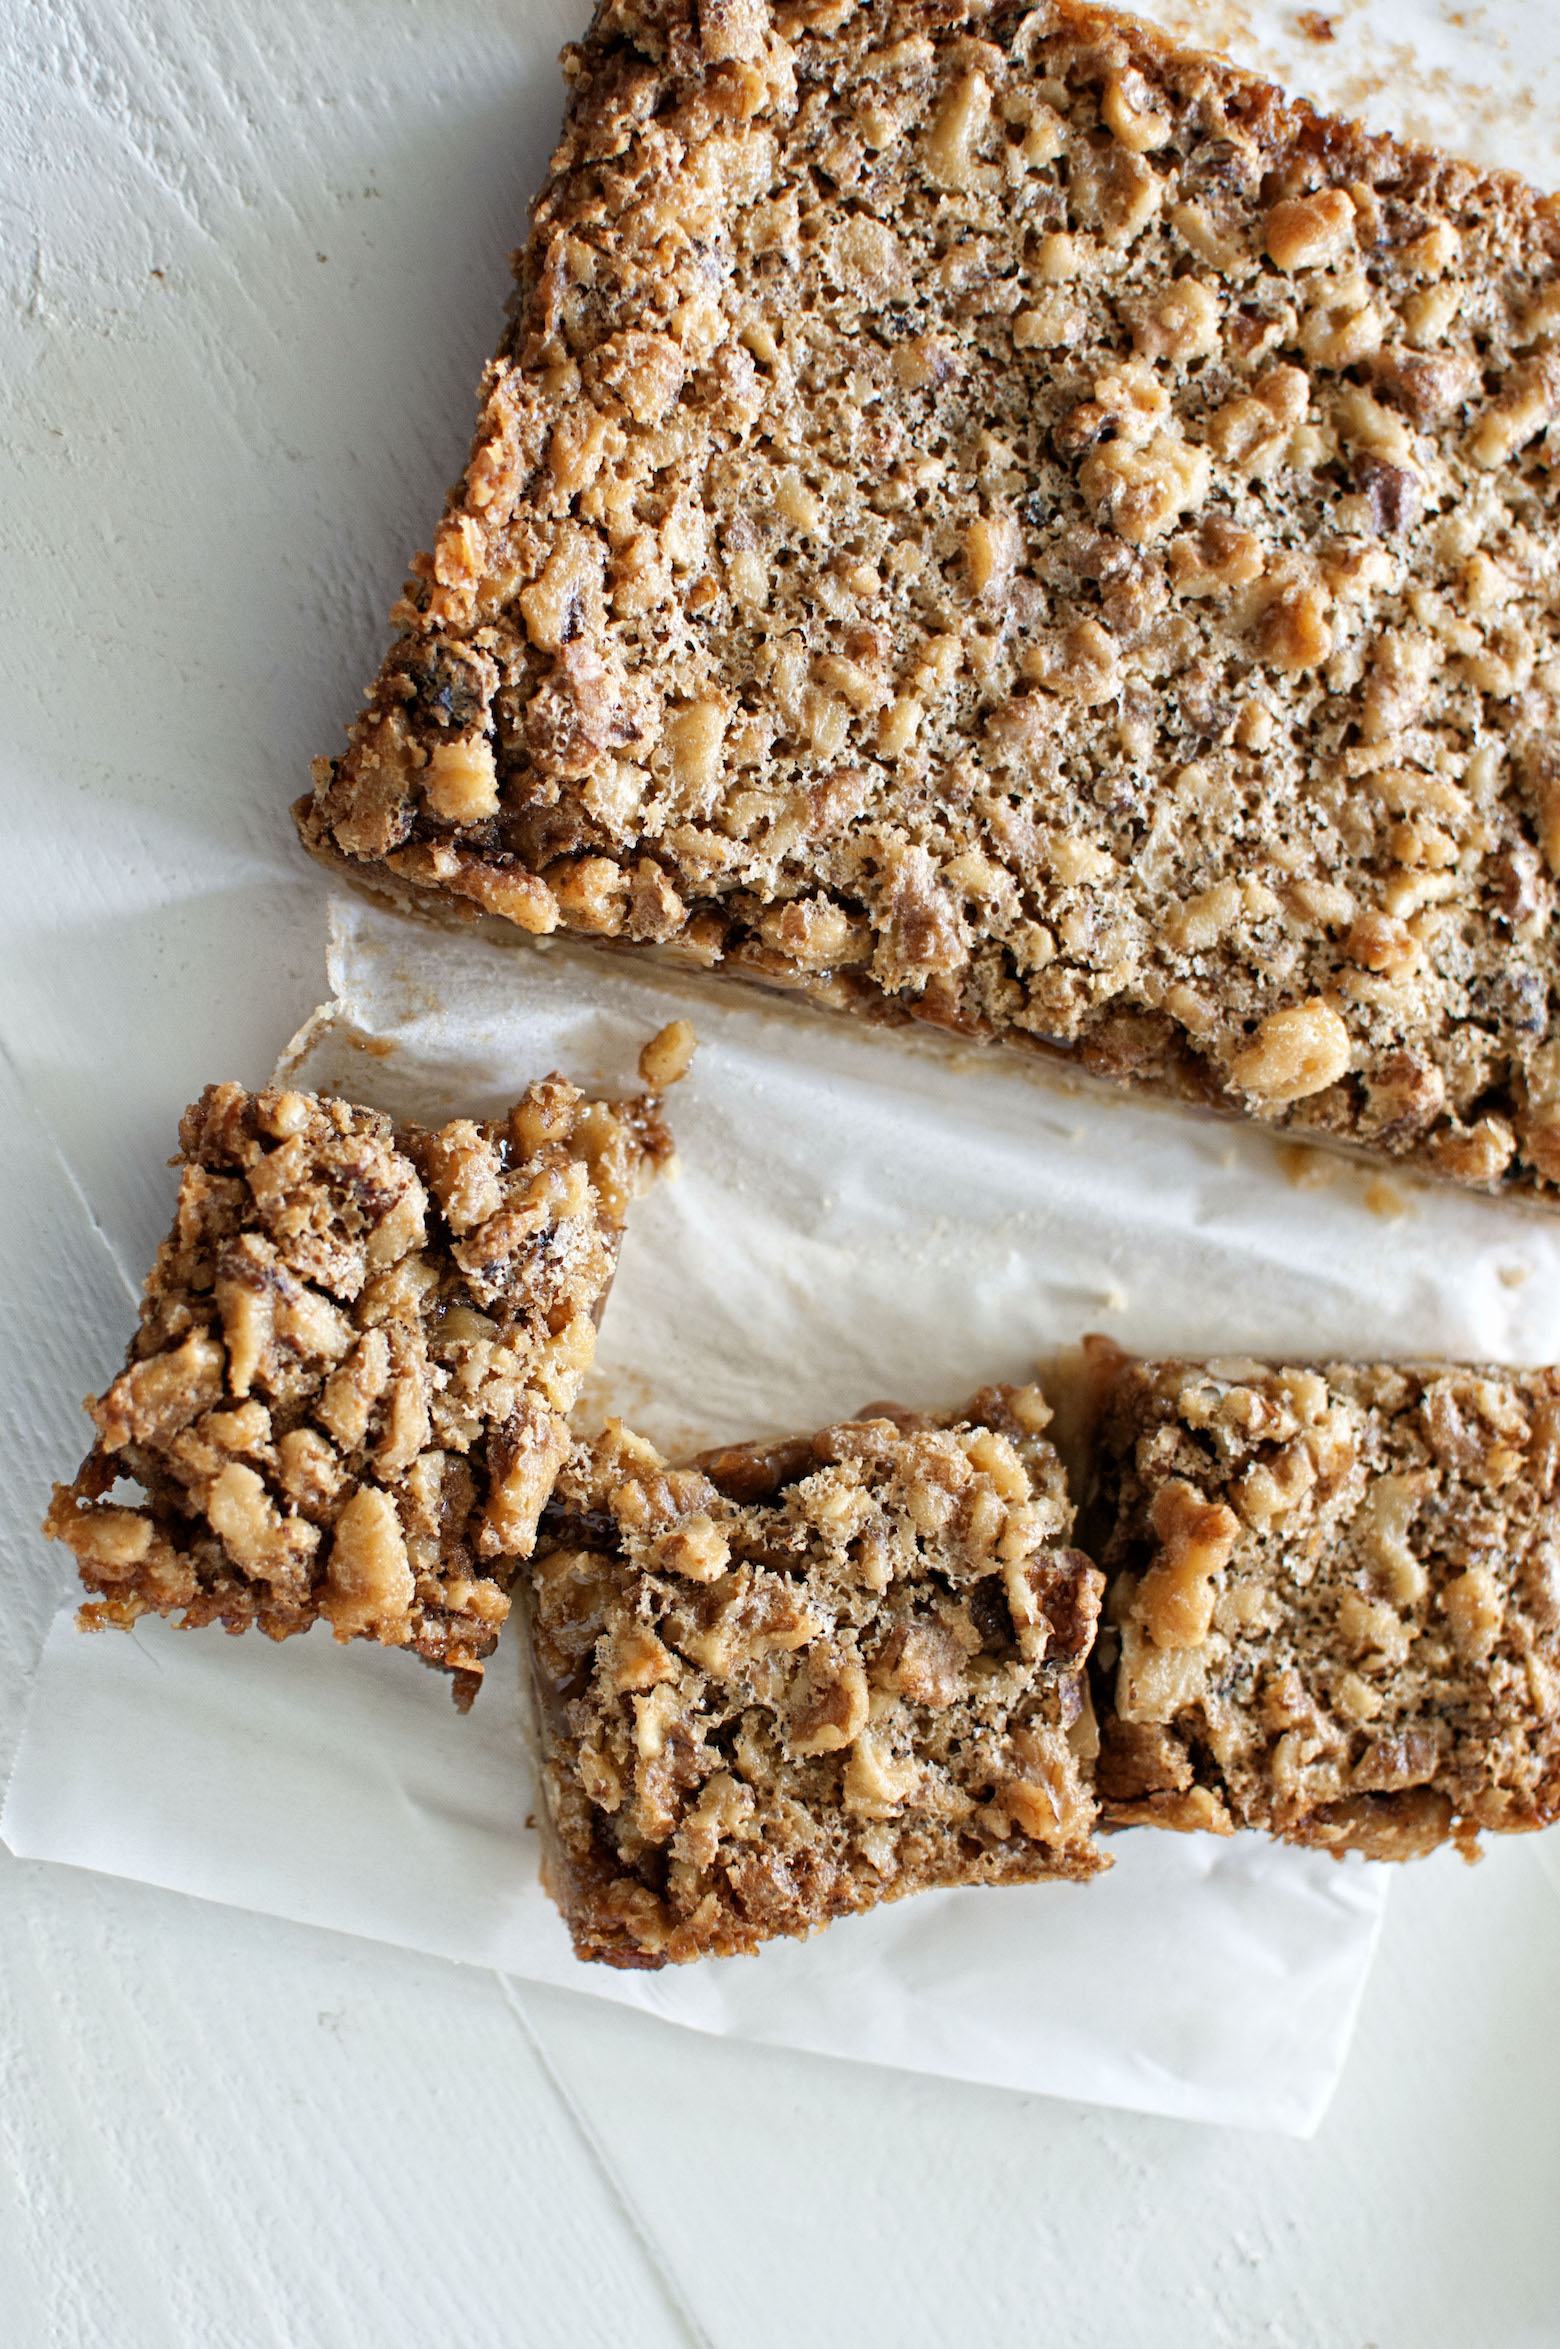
788, 1681
349, 1393
982, 515
1334, 1608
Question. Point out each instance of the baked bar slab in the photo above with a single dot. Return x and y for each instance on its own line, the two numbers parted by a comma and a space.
790, 1681
358, 1348
983, 515
1335, 1596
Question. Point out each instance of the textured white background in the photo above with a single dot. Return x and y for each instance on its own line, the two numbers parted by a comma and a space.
253, 256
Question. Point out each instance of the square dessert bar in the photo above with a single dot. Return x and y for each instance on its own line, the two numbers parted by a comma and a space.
788, 1681
1334, 1602
984, 515
347, 1398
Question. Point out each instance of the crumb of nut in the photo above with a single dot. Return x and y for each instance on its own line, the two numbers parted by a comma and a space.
1295, 1052
866, 1675
668, 1056
1202, 456
1308, 1168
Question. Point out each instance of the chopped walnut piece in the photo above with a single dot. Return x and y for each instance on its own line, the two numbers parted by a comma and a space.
1215, 559
1310, 232
668, 1056
869, 366
1197, 1539
1143, 492
1180, 323
378, 1455
1382, 1671
791, 1680
369, 1587
1295, 1052
462, 781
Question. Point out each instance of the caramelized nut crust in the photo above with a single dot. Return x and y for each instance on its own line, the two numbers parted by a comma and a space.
791, 1680
1334, 1603
966, 482
358, 1348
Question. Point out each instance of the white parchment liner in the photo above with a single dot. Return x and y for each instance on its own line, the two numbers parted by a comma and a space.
834, 1238
855, 1216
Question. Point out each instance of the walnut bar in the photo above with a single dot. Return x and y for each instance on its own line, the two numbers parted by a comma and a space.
1334, 1602
982, 515
789, 1681
349, 1392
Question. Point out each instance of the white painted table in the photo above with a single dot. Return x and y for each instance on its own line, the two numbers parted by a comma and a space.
253, 260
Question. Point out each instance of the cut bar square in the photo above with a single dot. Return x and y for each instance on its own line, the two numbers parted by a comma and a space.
986, 516
789, 1681
1334, 1605
349, 1392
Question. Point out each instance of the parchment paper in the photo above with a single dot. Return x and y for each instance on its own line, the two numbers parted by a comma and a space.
854, 1217
834, 1238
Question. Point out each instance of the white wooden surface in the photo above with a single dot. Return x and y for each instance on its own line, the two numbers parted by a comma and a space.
222, 2132
252, 258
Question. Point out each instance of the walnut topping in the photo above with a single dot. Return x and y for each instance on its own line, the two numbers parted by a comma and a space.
148, 1403
1142, 493
1180, 323
1395, 1560
798, 1674
358, 1347
1475, 1606
1380, 942
1200, 921
952, 144
1113, 190
878, 1783
923, 1660
829, 1704
461, 780
696, 1548
1344, 324
816, 934
1197, 1540
1128, 108
1310, 232
1518, 414
668, 1056
932, 366
1294, 1053
1084, 667
1048, 1799
992, 547
1216, 559
369, 1587
1053, 323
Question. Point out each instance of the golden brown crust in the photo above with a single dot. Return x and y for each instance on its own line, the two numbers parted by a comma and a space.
987, 516
791, 1680
1334, 1606
349, 1393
